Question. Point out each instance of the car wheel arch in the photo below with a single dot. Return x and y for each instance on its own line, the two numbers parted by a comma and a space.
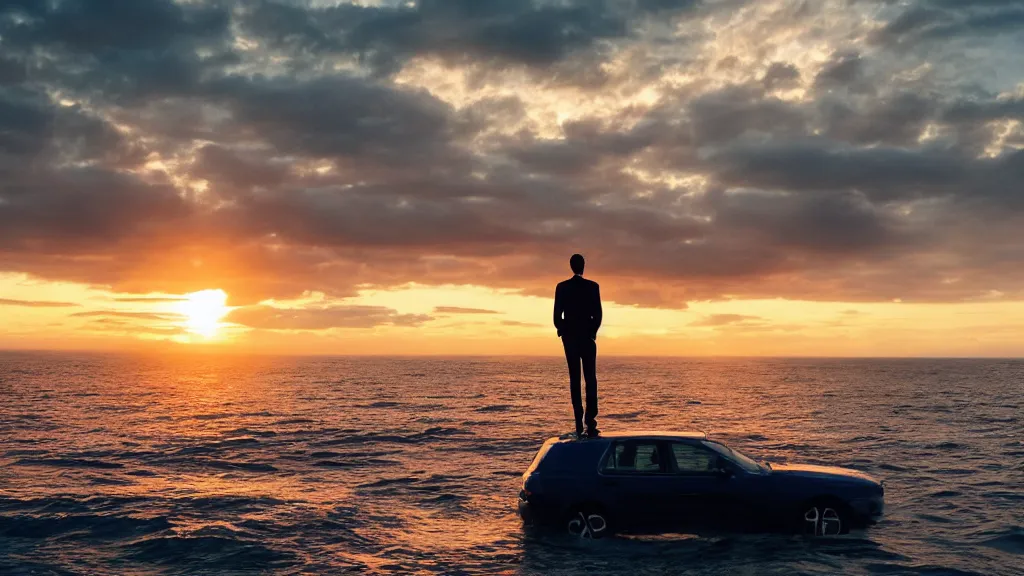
586, 507
825, 501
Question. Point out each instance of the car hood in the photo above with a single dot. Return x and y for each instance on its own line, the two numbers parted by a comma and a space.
824, 472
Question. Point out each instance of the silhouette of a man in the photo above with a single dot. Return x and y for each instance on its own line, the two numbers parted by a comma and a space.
577, 318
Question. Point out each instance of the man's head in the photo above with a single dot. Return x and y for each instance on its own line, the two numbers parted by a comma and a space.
577, 263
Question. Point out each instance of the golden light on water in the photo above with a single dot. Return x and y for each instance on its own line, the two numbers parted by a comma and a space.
203, 311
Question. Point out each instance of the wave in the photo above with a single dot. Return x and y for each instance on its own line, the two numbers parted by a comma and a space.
418, 437
356, 463
81, 525
245, 466
205, 553
1012, 541
68, 463
496, 408
289, 421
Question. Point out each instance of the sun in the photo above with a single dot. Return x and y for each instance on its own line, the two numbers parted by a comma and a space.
203, 311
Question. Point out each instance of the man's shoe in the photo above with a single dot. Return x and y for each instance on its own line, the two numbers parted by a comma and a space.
593, 433
573, 435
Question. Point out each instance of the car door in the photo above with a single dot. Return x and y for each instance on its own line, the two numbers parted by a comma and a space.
702, 487
637, 481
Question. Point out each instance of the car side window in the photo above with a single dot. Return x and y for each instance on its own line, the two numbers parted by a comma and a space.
691, 459
631, 457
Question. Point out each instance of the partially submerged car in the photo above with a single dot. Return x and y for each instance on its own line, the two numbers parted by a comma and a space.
652, 482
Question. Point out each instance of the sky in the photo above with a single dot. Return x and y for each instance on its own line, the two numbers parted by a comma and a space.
769, 177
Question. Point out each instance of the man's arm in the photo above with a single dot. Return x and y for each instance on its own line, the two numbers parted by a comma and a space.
598, 313
558, 310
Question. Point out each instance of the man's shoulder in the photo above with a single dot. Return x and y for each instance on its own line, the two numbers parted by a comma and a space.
576, 283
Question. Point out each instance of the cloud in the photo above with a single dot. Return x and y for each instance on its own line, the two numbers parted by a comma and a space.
830, 150
780, 75
518, 324
130, 315
120, 326
35, 303
384, 36
724, 320
151, 300
274, 318
460, 310
942, 20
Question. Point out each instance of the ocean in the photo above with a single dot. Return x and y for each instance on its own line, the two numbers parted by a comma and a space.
199, 464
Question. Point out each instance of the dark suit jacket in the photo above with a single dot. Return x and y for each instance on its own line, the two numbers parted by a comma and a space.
578, 308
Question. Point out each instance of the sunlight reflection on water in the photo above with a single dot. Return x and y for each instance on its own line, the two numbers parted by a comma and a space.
186, 465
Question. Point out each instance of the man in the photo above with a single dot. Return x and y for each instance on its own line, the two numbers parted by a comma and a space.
577, 319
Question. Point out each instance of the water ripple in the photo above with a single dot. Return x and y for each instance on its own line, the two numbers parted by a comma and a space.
115, 464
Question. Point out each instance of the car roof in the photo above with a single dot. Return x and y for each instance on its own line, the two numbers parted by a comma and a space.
643, 434
690, 435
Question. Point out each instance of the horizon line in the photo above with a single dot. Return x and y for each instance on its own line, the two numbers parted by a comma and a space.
225, 352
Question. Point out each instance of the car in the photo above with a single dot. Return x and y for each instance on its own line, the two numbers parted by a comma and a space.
655, 482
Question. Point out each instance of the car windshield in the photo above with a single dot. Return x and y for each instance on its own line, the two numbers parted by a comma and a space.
740, 460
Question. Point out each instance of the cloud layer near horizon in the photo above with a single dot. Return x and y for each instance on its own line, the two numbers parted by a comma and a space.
850, 150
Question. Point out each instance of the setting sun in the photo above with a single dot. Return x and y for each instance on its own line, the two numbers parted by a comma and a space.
203, 311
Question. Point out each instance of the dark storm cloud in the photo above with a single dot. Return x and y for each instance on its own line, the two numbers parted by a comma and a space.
96, 26
354, 217
724, 115
341, 116
586, 148
942, 20
535, 33
845, 69
883, 173
12, 71
828, 223
227, 168
898, 119
25, 121
120, 48
272, 318
78, 209
974, 111
35, 303
268, 149
780, 75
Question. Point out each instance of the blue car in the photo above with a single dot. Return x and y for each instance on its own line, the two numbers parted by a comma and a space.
652, 482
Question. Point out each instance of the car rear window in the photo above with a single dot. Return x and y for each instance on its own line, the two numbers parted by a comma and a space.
540, 456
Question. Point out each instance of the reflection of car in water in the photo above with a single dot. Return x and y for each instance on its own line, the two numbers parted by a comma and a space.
669, 481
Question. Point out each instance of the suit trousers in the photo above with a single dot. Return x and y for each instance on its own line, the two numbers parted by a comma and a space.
581, 351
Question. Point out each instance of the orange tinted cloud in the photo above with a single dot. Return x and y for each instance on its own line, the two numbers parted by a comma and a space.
481, 144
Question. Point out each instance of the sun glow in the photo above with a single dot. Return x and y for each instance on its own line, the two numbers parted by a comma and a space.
203, 311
